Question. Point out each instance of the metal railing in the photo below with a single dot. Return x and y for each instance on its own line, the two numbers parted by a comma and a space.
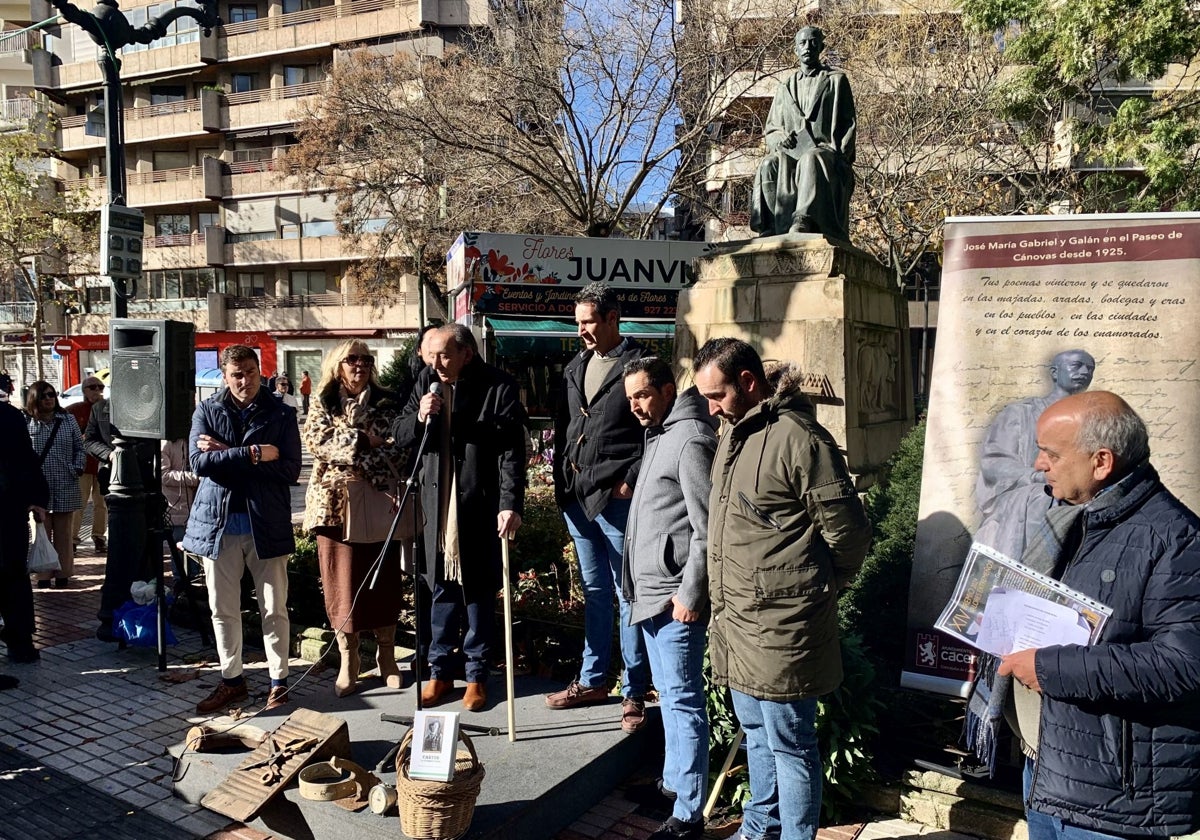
25, 108
15, 42
163, 109
98, 183
269, 162
162, 176
16, 313
312, 16
158, 176
327, 299
269, 94
174, 240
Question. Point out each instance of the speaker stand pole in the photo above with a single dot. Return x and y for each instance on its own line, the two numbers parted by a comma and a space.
126, 534
156, 509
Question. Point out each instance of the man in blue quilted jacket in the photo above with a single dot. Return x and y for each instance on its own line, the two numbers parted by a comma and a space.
1115, 738
245, 446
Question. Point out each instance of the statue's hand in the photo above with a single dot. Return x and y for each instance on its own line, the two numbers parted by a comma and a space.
788, 142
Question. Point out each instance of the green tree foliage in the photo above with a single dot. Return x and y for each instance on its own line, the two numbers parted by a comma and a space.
875, 606
1103, 84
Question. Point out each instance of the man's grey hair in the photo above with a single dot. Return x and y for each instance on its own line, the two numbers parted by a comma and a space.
1122, 432
461, 335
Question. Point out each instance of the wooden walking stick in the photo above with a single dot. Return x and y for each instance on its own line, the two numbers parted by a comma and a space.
509, 677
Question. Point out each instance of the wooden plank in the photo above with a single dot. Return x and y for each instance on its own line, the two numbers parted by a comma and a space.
242, 794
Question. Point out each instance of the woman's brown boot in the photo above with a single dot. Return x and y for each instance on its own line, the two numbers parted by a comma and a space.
385, 656
347, 678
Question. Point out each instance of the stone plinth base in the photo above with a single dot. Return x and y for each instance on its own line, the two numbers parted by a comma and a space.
828, 308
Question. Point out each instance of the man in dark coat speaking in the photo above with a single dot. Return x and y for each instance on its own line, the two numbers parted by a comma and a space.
472, 493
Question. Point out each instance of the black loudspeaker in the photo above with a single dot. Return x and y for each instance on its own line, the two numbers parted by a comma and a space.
153, 382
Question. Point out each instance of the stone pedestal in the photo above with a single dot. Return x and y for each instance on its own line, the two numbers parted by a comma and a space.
828, 308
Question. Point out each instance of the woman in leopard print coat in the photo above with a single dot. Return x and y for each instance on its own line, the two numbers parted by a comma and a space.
347, 433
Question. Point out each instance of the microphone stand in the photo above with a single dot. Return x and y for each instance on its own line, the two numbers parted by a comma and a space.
414, 482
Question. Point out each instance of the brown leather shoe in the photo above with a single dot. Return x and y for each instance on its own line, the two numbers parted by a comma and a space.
633, 714
475, 698
576, 694
221, 697
435, 691
276, 697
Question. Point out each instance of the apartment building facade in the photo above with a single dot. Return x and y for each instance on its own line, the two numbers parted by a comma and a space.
232, 242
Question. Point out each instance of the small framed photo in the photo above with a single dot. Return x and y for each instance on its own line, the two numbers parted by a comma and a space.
434, 745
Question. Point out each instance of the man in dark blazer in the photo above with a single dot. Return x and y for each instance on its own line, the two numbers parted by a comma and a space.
597, 452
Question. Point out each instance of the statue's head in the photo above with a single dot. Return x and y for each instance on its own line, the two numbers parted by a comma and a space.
810, 41
1072, 370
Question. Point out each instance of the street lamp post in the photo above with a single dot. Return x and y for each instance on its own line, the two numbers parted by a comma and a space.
107, 25
134, 513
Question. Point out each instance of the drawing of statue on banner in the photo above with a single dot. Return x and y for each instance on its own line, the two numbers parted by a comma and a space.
1010, 494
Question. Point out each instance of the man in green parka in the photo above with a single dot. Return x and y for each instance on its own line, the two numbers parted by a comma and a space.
786, 532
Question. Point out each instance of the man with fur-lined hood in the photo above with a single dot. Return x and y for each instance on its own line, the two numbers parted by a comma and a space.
786, 532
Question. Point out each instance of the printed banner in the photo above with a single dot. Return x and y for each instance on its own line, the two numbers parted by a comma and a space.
514, 274
1100, 302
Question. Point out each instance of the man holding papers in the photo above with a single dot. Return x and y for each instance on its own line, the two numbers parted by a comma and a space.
1118, 742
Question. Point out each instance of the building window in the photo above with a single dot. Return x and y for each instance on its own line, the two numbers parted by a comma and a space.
251, 284
302, 74
307, 283
207, 220
170, 160
162, 94
244, 82
186, 283
172, 224
241, 13
318, 228
290, 6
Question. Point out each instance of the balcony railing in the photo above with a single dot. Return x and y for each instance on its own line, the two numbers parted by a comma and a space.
158, 176
266, 302
17, 110
269, 94
174, 240
269, 161
162, 176
163, 109
311, 16
96, 183
15, 42
16, 313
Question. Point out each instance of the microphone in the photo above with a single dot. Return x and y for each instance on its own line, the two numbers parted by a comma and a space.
435, 388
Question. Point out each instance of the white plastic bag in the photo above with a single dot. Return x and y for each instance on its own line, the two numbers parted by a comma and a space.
42, 556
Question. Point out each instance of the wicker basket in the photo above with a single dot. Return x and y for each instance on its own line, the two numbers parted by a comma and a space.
438, 810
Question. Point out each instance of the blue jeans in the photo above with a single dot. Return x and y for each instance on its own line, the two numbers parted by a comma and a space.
676, 652
599, 544
455, 606
1045, 827
785, 768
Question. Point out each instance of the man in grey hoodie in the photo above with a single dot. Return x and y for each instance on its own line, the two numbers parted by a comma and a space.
664, 574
